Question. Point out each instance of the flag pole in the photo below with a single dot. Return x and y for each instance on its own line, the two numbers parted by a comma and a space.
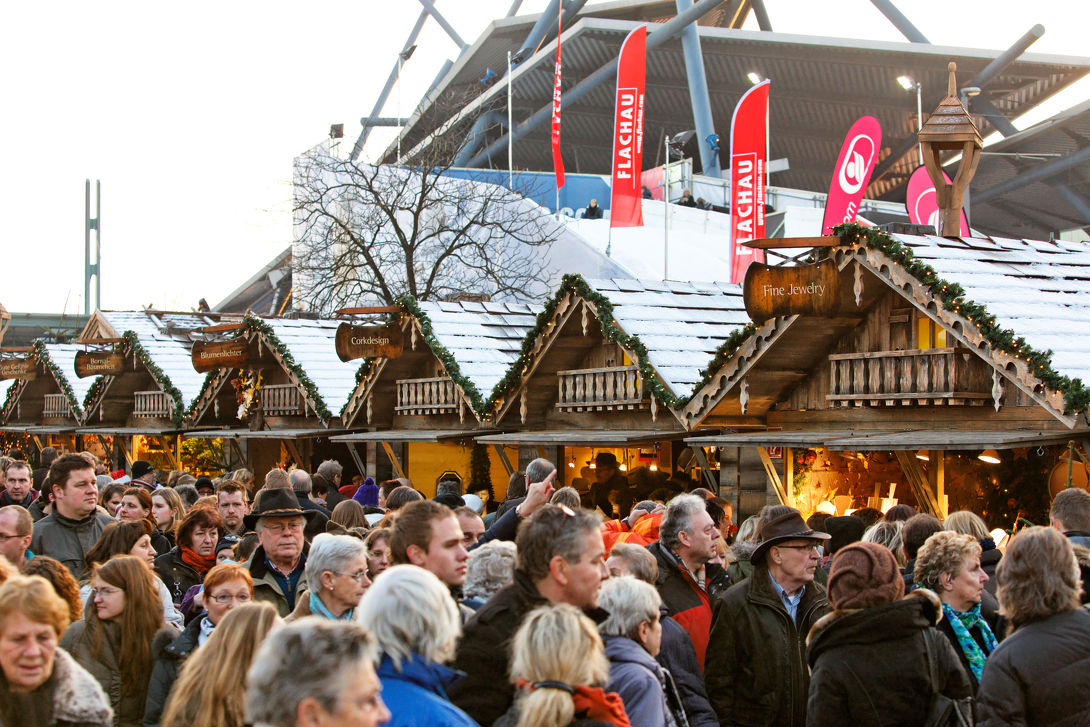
510, 130
666, 200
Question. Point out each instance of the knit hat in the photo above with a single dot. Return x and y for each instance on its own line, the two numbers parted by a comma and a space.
844, 531
367, 494
864, 575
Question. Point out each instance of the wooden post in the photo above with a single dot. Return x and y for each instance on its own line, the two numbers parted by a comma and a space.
503, 459
789, 472
774, 477
919, 482
936, 478
355, 455
730, 478
706, 471
398, 471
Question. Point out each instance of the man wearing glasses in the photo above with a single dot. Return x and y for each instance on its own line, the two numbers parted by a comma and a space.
756, 670
277, 565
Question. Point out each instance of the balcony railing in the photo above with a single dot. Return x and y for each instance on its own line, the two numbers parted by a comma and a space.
426, 396
614, 387
943, 376
281, 400
152, 404
56, 405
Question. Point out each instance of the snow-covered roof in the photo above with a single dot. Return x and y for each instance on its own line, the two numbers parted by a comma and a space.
681, 323
169, 353
484, 338
312, 345
63, 355
1040, 290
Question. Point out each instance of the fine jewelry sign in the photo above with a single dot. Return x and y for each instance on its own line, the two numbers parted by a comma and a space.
782, 291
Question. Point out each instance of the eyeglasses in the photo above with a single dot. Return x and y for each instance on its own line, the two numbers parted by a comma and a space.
224, 598
6, 538
813, 546
105, 592
358, 576
279, 528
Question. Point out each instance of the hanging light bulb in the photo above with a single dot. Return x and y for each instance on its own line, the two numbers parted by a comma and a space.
989, 455
922, 454
623, 467
654, 467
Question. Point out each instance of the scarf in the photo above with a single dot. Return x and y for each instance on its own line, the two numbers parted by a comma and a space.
197, 562
962, 624
318, 608
594, 702
205, 631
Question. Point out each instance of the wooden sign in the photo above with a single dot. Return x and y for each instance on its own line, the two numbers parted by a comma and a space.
98, 363
18, 368
231, 354
782, 291
369, 341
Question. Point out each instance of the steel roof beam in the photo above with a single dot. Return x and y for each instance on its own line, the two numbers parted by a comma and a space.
539, 32
993, 70
761, 13
1036, 174
432, 11
477, 135
995, 117
899, 21
1075, 200
655, 38
698, 94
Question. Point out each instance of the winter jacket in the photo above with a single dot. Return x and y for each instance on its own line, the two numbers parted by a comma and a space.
265, 586
741, 568
686, 602
756, 671
617, 483
316, 525
989, 561
161, 543
679, 658
129, 707
27, 501
1076, 537
870, 667
178, 575
75, 698
484, 652
169, 654
1037, 676
510, 718
37, 509
68, 540
989, 610
418, 694
640, 682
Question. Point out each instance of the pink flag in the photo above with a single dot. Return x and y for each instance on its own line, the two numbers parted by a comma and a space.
558, 161
853, 169
923, 204
748, 153
626, 202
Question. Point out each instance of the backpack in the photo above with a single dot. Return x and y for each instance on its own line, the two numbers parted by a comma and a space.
944, 711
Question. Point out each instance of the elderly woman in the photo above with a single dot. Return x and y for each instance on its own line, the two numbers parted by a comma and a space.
633, 636
226, 587
186, 563
41, 685
1038, 675
416, 624
489, 568
969, 523
338, 687
559, 665
336, 572
113, 642
949, 564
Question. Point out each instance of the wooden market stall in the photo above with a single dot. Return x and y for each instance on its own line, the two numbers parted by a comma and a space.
426, 398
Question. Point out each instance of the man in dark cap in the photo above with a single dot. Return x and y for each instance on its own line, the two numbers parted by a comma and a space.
143, 475
755, 668
608, 479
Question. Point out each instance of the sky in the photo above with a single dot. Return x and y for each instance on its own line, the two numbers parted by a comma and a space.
190, 115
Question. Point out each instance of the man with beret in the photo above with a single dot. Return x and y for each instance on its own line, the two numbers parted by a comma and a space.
755, 667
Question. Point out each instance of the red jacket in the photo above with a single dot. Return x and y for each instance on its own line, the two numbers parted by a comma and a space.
689, 605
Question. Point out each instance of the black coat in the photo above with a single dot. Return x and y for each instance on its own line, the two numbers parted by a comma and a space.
161, 542
1038, 675
178, 575
870, 669
756, 672
989, 610
169, 655
484, 652
599, 494
316, 525
989, 561
677, 655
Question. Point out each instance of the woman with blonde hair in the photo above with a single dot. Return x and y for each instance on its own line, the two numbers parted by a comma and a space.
559, 665
210, 690
113, 641
969, 523
169, 511
888, 535
1037, 676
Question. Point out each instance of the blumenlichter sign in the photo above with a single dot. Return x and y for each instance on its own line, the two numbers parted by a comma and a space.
98, 363
230, 354
369, 341
781, 291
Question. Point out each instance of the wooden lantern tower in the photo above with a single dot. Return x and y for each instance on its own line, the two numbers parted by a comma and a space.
950, 128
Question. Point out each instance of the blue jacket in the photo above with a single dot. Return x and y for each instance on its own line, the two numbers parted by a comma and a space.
639, 680
417, 695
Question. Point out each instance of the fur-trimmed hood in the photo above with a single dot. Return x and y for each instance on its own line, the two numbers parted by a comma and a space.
743, 550
78, 697
919, 609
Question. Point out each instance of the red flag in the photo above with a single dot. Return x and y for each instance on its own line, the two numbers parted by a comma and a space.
853, 169
748, 152
923, 204
558, 161
626, 203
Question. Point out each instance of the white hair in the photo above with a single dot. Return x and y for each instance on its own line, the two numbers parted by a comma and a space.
331, 553
410, 611
490, 567
630, 602
678, 517
301, 482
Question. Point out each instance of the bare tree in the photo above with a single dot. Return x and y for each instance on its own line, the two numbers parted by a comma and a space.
368, 232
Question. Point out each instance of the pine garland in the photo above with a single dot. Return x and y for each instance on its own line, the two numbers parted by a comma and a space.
295, 369
361, 374
62, 381
480, 470
1076, 396
208, 378
132, 345
8, 398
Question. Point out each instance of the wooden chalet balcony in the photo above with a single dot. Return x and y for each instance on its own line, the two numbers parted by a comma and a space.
934, 376
281, 400
614, 387
426, 396
56, 405
152, 405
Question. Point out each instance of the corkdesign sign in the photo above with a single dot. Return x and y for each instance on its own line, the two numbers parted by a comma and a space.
369, 341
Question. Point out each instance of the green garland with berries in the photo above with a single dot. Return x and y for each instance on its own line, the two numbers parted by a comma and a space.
42, 354
1075, 394
132, 345
311, 389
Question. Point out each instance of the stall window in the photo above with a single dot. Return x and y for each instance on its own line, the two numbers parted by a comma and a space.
929, 334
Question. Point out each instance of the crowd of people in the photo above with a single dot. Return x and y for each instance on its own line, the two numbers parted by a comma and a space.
157, 598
